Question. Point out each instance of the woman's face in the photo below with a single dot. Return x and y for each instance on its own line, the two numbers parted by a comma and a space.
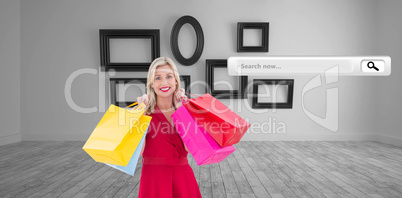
164, 81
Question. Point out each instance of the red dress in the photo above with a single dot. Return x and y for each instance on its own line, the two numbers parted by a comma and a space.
165, 172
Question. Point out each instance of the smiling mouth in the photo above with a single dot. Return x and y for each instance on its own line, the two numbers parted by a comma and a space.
165, 89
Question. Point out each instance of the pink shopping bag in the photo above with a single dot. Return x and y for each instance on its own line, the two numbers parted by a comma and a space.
199, 142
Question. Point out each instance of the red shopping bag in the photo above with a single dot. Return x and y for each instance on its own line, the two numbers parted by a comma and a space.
224, 125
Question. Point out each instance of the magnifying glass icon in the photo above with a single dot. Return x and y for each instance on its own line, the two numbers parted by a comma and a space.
372, 66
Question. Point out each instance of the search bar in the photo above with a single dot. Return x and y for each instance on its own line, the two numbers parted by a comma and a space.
307, 65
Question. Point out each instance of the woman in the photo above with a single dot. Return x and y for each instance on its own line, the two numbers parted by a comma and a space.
165, 171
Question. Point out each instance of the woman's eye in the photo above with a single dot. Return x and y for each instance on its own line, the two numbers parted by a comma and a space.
158, 78
169, 77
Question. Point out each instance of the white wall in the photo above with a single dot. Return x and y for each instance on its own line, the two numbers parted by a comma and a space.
10, 56
390, 95
60, 37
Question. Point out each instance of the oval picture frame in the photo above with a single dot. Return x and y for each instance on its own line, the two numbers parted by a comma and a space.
174, 40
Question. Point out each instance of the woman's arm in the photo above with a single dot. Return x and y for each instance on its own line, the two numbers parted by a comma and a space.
180, 95
144, 98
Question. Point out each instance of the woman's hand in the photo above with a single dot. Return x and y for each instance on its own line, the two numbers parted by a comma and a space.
179, 95
144, 98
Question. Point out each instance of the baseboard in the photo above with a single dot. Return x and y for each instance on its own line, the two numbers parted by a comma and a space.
246, 137
396, 141
10, 138
58, 137
309, 137
260, 137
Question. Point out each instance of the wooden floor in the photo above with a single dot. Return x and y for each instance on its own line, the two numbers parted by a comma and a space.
255, 169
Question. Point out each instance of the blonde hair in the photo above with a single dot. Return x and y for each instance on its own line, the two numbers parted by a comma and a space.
151, 78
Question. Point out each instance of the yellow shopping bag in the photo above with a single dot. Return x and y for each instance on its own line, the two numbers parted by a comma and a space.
117, 135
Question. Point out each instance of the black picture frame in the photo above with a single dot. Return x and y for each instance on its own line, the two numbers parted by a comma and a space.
211, 64
278, 105
174, 40
187, 81
264, 26
106, 34
113, 84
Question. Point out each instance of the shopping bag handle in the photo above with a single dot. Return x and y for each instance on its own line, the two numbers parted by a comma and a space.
132, 104
183, 102
195, 95
192, 94
138, 106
